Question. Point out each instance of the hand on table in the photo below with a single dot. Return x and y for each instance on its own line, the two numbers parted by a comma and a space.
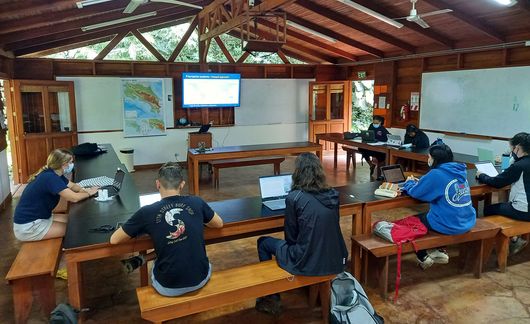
413, 178
478, 174
92, 190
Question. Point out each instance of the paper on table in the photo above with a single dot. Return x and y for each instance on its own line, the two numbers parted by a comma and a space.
377, 143
487, 168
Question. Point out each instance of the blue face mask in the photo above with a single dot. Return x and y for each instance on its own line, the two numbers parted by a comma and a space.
70, 168
376, 125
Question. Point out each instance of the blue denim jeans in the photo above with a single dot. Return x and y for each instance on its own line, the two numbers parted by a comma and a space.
267, 247
173, 292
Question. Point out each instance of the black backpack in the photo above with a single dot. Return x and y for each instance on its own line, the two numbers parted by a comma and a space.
63, 314
87, 149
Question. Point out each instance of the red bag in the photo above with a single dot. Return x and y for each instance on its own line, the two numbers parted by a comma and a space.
401, 231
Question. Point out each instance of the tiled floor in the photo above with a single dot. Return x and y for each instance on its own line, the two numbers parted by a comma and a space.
442, 294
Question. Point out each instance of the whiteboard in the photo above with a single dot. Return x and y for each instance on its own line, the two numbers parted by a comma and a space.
491, 102
273, 101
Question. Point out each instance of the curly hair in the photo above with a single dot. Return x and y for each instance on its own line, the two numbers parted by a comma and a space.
308, 174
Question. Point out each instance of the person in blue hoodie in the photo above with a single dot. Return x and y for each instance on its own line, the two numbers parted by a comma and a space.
313, 244
446, 188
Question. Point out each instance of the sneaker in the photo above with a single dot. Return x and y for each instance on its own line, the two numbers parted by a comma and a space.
133, 263
426, 263
517, 246
269, 305
438, 256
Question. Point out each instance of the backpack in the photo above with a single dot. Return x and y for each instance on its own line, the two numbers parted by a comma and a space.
63, 314
398, 232
438, 141
349, 303
87, 149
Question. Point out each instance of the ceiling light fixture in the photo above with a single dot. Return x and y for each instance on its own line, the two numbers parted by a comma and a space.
311, 31
84, 3
507, 3
118, 21
372, 13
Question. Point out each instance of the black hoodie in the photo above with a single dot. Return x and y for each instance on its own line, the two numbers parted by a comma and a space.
314, 244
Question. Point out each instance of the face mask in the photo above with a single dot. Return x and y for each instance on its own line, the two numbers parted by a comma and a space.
70, 168
376, 125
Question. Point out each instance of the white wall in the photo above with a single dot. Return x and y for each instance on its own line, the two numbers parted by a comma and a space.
5, 188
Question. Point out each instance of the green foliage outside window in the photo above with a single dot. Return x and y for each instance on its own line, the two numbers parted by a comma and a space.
362, 104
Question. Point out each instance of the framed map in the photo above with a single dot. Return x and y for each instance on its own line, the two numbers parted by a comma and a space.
143, 108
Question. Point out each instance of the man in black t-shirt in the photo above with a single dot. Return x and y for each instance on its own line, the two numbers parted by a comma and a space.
176, 226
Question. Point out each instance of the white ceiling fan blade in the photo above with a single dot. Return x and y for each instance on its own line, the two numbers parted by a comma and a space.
421, 22
132, 6
181, 3
437, 12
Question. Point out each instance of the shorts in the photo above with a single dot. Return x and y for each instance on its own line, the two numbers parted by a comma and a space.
32, 231
173, 292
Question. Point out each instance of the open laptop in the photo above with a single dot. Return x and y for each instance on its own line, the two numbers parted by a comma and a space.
368, 136
114, 189
394, 141
274, 190
487, 167
204, 128
393, 173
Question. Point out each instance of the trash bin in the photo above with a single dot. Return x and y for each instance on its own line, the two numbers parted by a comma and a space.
127, 158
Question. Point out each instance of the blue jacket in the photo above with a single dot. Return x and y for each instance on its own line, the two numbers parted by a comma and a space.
447, 190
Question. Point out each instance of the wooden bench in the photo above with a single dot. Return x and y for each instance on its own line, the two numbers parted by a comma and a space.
382, 249
350, 155
33, 272
232, 163
232, 286
508, 228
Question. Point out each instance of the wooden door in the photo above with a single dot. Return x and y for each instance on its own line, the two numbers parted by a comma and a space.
43, 118
329, 108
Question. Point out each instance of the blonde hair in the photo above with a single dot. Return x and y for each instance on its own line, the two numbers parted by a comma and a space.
55, 161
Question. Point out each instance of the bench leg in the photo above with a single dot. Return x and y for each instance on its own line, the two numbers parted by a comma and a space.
276, 168
216, 177
44, 287
144, 276
355, 262
22, 299
383, 278
488, 247
502, 245
354, 160
348, 157
479, 252
325, 295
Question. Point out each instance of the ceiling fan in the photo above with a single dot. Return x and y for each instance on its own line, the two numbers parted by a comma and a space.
417, 18
136, 3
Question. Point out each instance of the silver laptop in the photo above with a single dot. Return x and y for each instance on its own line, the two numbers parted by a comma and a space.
394, 174
274, 190
394, 140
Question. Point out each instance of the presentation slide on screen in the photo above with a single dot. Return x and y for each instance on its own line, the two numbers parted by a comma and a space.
210, 90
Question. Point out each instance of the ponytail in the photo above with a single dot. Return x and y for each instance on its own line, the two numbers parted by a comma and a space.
55, 161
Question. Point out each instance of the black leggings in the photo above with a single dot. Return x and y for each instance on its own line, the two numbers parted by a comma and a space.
506, 209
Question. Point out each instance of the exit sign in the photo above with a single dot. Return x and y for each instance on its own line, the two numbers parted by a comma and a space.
361, 75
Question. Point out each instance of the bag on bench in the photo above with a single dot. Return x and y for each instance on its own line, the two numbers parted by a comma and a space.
63, 314
398, 232
349, 303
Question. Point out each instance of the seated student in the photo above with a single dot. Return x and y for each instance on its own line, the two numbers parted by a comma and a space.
176, 225
416, 137
33, 220
380, 133
446, 188
518, 176
313, 244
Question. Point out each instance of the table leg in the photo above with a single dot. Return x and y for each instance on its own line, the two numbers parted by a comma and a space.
190, 174
195, 177
75, 284
391, 158
319, 153
335, 148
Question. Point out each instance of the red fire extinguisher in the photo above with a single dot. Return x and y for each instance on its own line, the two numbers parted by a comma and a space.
404, 112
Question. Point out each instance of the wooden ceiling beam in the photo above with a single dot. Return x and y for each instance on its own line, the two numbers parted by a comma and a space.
363, 28
339, 37
312, 41
68, 47
110, 46
427, 32
148, 45
17, 10
184, 39
223, 48
488, 30
243, 57
284, 58
264, 6
41, 44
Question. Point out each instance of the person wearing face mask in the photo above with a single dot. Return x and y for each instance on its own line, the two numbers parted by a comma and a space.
446, 189
375, 159
33, 219
518, 176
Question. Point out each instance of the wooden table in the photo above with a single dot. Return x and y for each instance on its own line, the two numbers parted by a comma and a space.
244, 151
338, 138
421, 155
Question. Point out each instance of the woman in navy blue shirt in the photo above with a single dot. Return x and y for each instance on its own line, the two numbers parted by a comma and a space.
33, 219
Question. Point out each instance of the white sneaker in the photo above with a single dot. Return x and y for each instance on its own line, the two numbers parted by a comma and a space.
426, 263
438, 256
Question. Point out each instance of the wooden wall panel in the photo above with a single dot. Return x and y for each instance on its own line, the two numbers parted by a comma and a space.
304, 72
65, 68
368, 68
441, 63
33, 69
114, 68
278, 72
519, 56
480, 60
150, 70
6, 67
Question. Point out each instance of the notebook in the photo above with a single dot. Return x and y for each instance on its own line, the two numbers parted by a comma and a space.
487, 167
114, 189
274, 190
368, 136
393, 173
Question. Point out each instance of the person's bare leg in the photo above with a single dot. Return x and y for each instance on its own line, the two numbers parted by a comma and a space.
56, 230
63, 218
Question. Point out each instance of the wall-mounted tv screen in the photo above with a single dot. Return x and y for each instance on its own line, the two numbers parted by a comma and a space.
204, 90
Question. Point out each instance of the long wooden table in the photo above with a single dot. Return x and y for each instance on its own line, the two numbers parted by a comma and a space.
244, 151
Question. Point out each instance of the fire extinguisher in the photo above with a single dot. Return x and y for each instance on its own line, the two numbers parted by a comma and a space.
404, 112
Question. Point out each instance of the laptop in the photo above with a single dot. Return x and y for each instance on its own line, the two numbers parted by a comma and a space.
274, 190
485, 155
393, 173
114, 189
487, 167
394, 140
204, 128
368, 136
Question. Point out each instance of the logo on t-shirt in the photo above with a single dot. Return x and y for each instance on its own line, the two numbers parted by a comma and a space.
457, 194
172, 220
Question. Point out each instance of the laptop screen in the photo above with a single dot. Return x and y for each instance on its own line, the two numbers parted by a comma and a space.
275, 186
368, 135
393, 173
118, 179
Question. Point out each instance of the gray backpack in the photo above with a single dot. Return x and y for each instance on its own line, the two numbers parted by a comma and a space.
349, 303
